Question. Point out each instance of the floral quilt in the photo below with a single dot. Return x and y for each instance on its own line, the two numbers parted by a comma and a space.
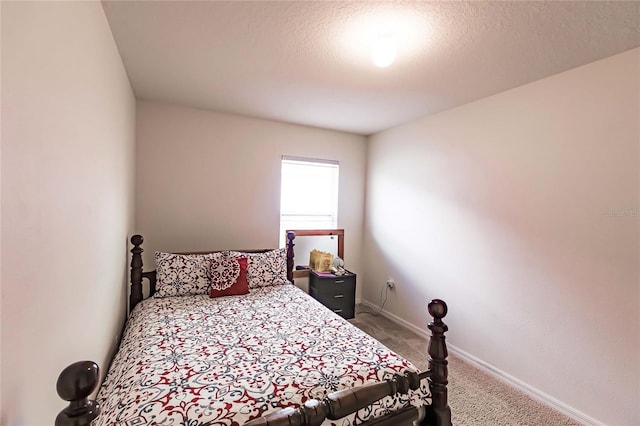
196, 361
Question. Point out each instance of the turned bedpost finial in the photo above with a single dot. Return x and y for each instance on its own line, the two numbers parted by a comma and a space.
438, 377
438, 310
75, 384
290, 237
136, 271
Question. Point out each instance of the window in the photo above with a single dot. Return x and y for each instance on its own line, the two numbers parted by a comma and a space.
308, 194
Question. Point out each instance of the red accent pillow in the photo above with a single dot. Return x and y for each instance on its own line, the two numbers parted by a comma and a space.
229, 277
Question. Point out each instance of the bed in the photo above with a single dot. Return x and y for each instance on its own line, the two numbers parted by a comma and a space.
199, 354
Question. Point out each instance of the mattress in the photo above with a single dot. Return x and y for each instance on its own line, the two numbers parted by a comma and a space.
194, 360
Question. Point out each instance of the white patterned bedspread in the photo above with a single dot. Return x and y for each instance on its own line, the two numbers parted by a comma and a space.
196, 361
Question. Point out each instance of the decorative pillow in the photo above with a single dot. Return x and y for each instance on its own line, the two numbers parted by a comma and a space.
228, 277
183, 274
265, 269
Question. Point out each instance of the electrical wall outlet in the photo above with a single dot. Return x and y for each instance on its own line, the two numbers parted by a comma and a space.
390, 284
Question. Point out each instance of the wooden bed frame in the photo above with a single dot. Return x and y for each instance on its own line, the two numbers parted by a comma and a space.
79, 380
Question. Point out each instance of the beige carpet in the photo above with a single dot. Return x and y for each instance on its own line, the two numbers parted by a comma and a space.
475, 397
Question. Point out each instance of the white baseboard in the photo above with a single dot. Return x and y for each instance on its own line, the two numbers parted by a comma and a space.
496, 373
422, 332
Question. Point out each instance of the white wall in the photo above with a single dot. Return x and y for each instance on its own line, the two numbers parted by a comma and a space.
206, 180
68, 131
499, 208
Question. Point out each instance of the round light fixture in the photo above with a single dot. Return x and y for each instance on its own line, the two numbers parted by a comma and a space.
383, 50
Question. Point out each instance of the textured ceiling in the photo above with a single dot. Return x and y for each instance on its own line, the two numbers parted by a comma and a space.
309, 62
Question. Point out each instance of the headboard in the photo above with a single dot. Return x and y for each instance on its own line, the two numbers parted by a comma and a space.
291, 234
138, 275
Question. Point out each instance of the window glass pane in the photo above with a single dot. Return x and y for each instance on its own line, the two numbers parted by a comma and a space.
309, 195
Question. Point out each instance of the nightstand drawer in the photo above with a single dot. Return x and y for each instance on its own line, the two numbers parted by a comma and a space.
345, 307
345, 279
334, 300
332, 287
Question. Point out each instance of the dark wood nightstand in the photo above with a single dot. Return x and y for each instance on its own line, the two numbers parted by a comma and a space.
336, 292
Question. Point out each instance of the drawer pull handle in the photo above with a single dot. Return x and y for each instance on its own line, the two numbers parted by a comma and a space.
337, 311
339, 281
339, 296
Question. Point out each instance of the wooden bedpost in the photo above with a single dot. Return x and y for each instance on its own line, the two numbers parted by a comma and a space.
290, 237
75, 384
440, 412
136, 271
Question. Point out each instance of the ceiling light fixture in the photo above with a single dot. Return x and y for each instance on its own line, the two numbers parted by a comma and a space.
383, 50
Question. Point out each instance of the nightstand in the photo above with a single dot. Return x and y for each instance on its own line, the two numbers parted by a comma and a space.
336, 292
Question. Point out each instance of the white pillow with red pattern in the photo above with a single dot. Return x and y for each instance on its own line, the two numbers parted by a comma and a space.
265, 269
183, 274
